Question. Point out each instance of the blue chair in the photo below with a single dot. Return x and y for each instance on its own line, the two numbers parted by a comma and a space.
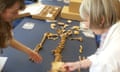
98, 38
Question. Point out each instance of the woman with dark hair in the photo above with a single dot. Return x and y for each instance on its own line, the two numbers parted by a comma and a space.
8, 12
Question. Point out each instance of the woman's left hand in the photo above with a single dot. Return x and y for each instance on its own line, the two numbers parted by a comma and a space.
35, 57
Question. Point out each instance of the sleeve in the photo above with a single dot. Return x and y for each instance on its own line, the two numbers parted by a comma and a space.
108, 60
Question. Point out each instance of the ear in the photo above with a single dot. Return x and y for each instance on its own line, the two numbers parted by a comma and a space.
102, 21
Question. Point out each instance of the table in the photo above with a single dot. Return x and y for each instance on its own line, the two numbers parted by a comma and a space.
18, 61
54, 2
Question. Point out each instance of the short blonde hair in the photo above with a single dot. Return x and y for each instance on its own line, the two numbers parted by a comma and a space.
98, 10
84, 9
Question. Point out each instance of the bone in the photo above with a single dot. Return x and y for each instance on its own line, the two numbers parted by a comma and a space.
76, 32
81, 49
40, 45
77, 38
76, 28
52, 36
52, 26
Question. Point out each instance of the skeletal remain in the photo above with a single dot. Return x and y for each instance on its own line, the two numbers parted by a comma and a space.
76, 32
57, 51
52, 36
63, 33
63, 30
56, 67
69, 21
52, 26
66, 25
69, 32
58, 58
81, 49
59, 31
61, 23
76, 28
77, 38
39, 46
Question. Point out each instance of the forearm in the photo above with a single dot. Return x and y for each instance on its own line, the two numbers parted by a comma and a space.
85, 63
32, 54
19, 46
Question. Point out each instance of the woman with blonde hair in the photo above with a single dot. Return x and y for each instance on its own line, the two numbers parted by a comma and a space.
8, 12
103, 17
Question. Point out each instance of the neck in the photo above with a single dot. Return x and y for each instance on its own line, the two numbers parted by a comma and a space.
100, 31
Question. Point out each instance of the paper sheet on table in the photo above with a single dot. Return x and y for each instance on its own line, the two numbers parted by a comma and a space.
2, 62
33, 9
28, 25
85, 30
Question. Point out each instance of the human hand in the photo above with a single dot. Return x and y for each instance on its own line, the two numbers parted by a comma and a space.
35, 57
71, 66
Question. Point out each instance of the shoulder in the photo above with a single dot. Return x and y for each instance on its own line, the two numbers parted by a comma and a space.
115, 28
116, 25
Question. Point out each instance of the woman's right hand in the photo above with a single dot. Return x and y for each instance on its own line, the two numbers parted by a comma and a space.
71, 66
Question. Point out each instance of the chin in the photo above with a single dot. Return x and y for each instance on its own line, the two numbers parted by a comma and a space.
97, 33
9, 21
